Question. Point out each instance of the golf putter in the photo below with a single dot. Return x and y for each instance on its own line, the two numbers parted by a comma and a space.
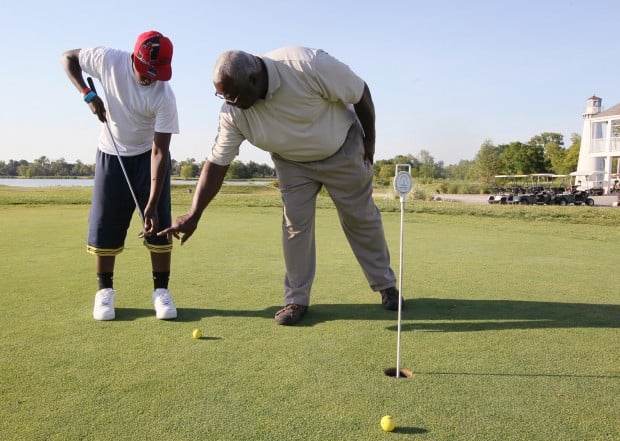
91, 84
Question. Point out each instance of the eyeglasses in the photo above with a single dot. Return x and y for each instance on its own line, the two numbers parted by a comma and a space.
228, 99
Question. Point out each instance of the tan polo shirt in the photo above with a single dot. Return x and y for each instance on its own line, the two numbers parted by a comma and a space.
305, 115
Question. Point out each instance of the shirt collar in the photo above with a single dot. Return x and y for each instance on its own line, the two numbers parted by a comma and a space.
272, 77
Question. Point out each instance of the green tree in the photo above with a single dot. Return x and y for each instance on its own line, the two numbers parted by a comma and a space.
387, 171
465, 169
428, 169
175, 167
81, 169
12, 167
253, 170
556, 156
553, 150
378, 164
386, 168
519, 158
40, 167
547, 137
404, 159
572, 153
27, 171
264, 171
237, 170
59, 167
488, 162
188, 169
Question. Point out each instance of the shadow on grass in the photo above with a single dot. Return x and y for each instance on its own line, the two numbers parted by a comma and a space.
410, 430
194, 314
130, 314
460, 315
442, 315
496, 374
318, 313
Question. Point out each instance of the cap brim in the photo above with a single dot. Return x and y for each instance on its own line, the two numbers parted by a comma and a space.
164, 73
159, 73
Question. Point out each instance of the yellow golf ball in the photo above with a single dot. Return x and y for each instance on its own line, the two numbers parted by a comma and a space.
197, 333
387, 423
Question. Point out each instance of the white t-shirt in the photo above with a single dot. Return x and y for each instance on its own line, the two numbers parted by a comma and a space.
305, 115
134, 111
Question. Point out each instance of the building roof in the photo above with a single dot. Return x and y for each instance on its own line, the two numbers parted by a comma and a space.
612, 111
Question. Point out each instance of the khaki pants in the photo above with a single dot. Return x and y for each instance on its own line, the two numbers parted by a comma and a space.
348, 180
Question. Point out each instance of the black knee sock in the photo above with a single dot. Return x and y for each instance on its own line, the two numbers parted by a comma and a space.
160, 279
105, 280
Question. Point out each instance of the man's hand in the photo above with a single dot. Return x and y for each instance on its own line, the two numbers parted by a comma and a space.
98, 108
183, 224
365, 111
369, 151
151, 223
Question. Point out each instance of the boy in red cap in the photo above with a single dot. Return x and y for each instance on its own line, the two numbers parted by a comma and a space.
141, 114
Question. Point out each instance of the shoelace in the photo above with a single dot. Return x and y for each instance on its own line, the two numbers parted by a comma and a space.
291, 308
106, 298
164, 298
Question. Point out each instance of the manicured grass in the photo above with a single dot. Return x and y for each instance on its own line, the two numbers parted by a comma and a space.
511, 329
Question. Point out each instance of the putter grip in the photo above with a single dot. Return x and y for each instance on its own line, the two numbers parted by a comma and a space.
91, 84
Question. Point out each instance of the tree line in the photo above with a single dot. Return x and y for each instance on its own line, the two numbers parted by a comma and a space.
44, 167
544, 153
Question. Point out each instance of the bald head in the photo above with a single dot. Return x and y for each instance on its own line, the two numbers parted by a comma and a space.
240, 78
235, 65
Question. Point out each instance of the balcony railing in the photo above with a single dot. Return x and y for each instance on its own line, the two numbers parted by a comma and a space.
605, 145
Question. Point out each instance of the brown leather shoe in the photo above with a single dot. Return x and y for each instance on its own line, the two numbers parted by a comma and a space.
389, 299
290, 314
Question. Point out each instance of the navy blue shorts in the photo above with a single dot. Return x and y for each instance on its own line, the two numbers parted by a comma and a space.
112, 205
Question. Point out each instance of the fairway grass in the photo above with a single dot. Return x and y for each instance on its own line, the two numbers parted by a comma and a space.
511, 329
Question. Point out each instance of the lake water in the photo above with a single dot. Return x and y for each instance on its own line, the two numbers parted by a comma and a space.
34, 182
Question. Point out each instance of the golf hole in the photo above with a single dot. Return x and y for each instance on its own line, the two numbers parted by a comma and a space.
403, 373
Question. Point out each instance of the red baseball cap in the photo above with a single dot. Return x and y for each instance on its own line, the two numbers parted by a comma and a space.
152, 56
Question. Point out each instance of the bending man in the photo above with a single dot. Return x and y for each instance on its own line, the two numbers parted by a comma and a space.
317, 119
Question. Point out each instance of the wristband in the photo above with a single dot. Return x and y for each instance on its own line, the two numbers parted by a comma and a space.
89, 96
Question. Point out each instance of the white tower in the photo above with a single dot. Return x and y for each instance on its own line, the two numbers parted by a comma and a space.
593, 105
587, 164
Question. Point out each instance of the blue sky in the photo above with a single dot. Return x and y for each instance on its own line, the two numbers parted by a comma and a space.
445, 75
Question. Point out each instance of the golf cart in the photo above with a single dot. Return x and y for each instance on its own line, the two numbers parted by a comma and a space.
507, 188
573, 196
615, 187
578, 197
540, 191
590, 182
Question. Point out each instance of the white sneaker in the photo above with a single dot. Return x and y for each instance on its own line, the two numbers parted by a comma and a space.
104, 304
163, 304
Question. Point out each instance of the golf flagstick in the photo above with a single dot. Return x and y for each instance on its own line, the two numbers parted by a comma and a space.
402, 185
91, 84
